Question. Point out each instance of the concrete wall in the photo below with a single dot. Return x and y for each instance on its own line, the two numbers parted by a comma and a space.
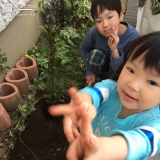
20, 35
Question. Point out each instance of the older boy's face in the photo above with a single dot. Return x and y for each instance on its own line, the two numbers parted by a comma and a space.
138, 88
107, 21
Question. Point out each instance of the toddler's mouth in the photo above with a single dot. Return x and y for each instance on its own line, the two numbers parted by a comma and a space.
127, 96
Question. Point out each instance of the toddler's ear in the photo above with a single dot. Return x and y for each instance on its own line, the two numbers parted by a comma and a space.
121, 16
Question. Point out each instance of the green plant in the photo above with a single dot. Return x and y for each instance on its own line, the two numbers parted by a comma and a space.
57, 54
3, 60
156, 8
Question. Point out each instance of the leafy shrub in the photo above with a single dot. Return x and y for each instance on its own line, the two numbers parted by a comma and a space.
57, 53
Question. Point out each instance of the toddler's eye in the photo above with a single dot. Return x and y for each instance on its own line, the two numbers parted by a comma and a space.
130, 70
110, 17
152, 83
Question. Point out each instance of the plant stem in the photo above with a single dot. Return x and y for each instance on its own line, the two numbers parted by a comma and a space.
27, 146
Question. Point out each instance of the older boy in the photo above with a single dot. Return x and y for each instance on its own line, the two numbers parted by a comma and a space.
102, 47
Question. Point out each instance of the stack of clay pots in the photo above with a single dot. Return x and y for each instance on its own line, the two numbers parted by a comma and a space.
17, 83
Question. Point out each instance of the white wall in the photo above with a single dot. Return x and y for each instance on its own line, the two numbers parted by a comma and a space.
147, 22
20, 34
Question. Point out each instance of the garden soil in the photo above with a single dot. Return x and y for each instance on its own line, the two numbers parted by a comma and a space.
42, 139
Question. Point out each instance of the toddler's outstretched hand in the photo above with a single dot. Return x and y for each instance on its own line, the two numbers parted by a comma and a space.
72, 112
86, 146
89, 147
73, 109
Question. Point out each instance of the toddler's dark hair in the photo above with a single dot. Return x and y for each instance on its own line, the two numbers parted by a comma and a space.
147, 46
111, 5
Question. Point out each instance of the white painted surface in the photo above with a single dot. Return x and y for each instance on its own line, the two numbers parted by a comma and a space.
139, 18
20, 34
9, 10
147, 22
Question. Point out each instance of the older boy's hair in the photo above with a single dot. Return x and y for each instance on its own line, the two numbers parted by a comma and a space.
147, 46
111, 5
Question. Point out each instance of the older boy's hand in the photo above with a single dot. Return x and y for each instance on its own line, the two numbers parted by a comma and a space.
90, 79
113, 41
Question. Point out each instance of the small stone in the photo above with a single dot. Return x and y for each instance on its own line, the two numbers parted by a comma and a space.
1, 144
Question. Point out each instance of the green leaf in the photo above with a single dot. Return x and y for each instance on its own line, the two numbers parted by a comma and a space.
70, 42
44, 30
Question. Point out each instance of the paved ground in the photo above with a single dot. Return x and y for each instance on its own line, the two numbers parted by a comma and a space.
131, 12
157, 157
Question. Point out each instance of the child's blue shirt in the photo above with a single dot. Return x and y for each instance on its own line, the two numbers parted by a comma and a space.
141, 130
94, 40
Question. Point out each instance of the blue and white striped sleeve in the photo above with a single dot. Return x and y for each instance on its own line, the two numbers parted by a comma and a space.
142, 142
153, 136
99, 95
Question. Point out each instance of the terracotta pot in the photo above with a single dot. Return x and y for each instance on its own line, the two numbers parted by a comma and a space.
29, 65
5, 120
9, 96
19, 77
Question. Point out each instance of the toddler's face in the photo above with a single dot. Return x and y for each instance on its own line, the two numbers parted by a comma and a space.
107, 21
139, 88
